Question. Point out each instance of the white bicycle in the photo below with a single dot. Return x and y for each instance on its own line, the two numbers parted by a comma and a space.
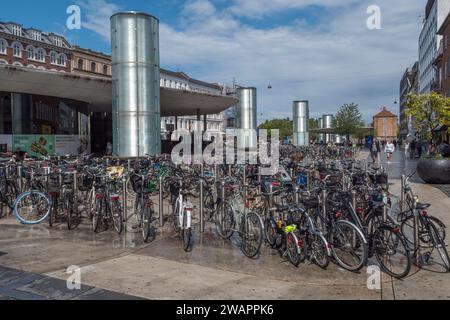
182, 212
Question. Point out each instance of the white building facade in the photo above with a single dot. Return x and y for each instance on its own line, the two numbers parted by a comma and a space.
181, 81
435, 13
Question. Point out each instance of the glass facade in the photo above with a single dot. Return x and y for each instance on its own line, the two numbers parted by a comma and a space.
33, 114
25, 119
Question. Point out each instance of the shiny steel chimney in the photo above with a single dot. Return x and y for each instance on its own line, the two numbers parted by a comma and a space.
247, 117
301, 123
135, 82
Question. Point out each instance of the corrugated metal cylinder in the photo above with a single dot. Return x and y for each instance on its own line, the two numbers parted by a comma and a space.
136, 84
327, 124
321, 135
301, 123
247, 117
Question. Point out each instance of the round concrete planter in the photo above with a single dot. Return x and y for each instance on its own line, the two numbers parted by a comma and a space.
434, 171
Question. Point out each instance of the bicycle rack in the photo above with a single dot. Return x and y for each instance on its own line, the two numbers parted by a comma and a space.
202, 175
161, 201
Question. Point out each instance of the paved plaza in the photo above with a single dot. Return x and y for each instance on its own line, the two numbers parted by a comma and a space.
34, 261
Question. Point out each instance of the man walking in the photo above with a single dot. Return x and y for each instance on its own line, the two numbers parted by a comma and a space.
374, 150
389, 149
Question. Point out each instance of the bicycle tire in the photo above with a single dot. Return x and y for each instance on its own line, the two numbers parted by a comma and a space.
117, 217
439, 245
251, 233
17, 210
398, 245
407, 229
186, 234
147, 216
270, 231
339, 240
319, 251
225, 222
293, 249
68, 208
97, 215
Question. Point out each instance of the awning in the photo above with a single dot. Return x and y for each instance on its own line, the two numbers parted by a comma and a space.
97, 91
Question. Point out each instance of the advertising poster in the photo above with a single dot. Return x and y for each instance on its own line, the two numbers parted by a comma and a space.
35, 145
71, 145
5, 143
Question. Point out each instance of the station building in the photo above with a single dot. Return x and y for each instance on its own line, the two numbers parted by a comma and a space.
56, 98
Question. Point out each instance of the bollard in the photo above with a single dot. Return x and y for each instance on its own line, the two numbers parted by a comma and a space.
75, 190
324, 205
270, 195
125, 200
19, 173
161, 200
354, 199
47, 176
259, 179
202, 222
296, 196
292, 173
229, 170
402, 194
416, 223
244, 181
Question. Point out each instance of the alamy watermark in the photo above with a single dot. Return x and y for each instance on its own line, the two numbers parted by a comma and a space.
374, 277
374, 20
239, 146
74, 280
74, 20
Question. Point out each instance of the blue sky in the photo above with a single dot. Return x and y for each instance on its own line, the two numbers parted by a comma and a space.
318, 50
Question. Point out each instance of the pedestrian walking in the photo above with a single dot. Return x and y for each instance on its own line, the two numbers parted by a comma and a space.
389, 149
406, 148
412, 149
419, 147
374, 150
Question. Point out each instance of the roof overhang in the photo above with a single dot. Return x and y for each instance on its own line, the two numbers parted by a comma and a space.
97, 91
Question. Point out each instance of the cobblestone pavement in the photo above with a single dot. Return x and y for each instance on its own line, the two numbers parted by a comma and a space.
20, 285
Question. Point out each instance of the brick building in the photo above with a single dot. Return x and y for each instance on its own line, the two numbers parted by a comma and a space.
442, 61
386, 125
88, 62
33, 48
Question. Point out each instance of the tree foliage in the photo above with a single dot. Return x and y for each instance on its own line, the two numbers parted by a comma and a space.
284, 125
348, 121
428, 110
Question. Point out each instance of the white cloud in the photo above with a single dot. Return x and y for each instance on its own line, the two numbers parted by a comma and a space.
337, 62
96, 16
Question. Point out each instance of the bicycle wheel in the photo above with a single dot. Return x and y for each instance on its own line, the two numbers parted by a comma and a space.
319, 251
69, 212
176, 216
439, 245
392, 252
147, 216
53, 212
98, 214
117, 217
32, 207
407, 228
225, 222
251, 235
349, 248
270, 230
186, 234
293, 250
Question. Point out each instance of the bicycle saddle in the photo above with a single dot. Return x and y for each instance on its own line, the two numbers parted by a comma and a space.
423, 206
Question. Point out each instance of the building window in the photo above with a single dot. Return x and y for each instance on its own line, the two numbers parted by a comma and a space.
93, 67
40, 55
3, 46
53, 57
17, 50
62, 59
36, 35
105, 70
31, 53
17, 30
80, 64
58, 41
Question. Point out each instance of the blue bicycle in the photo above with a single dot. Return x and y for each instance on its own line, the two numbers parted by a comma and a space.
33, 206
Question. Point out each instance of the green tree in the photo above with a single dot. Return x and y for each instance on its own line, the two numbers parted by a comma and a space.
348, 121
284, 125
428, 110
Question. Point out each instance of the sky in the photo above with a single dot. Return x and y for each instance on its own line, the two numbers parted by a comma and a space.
316, 50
